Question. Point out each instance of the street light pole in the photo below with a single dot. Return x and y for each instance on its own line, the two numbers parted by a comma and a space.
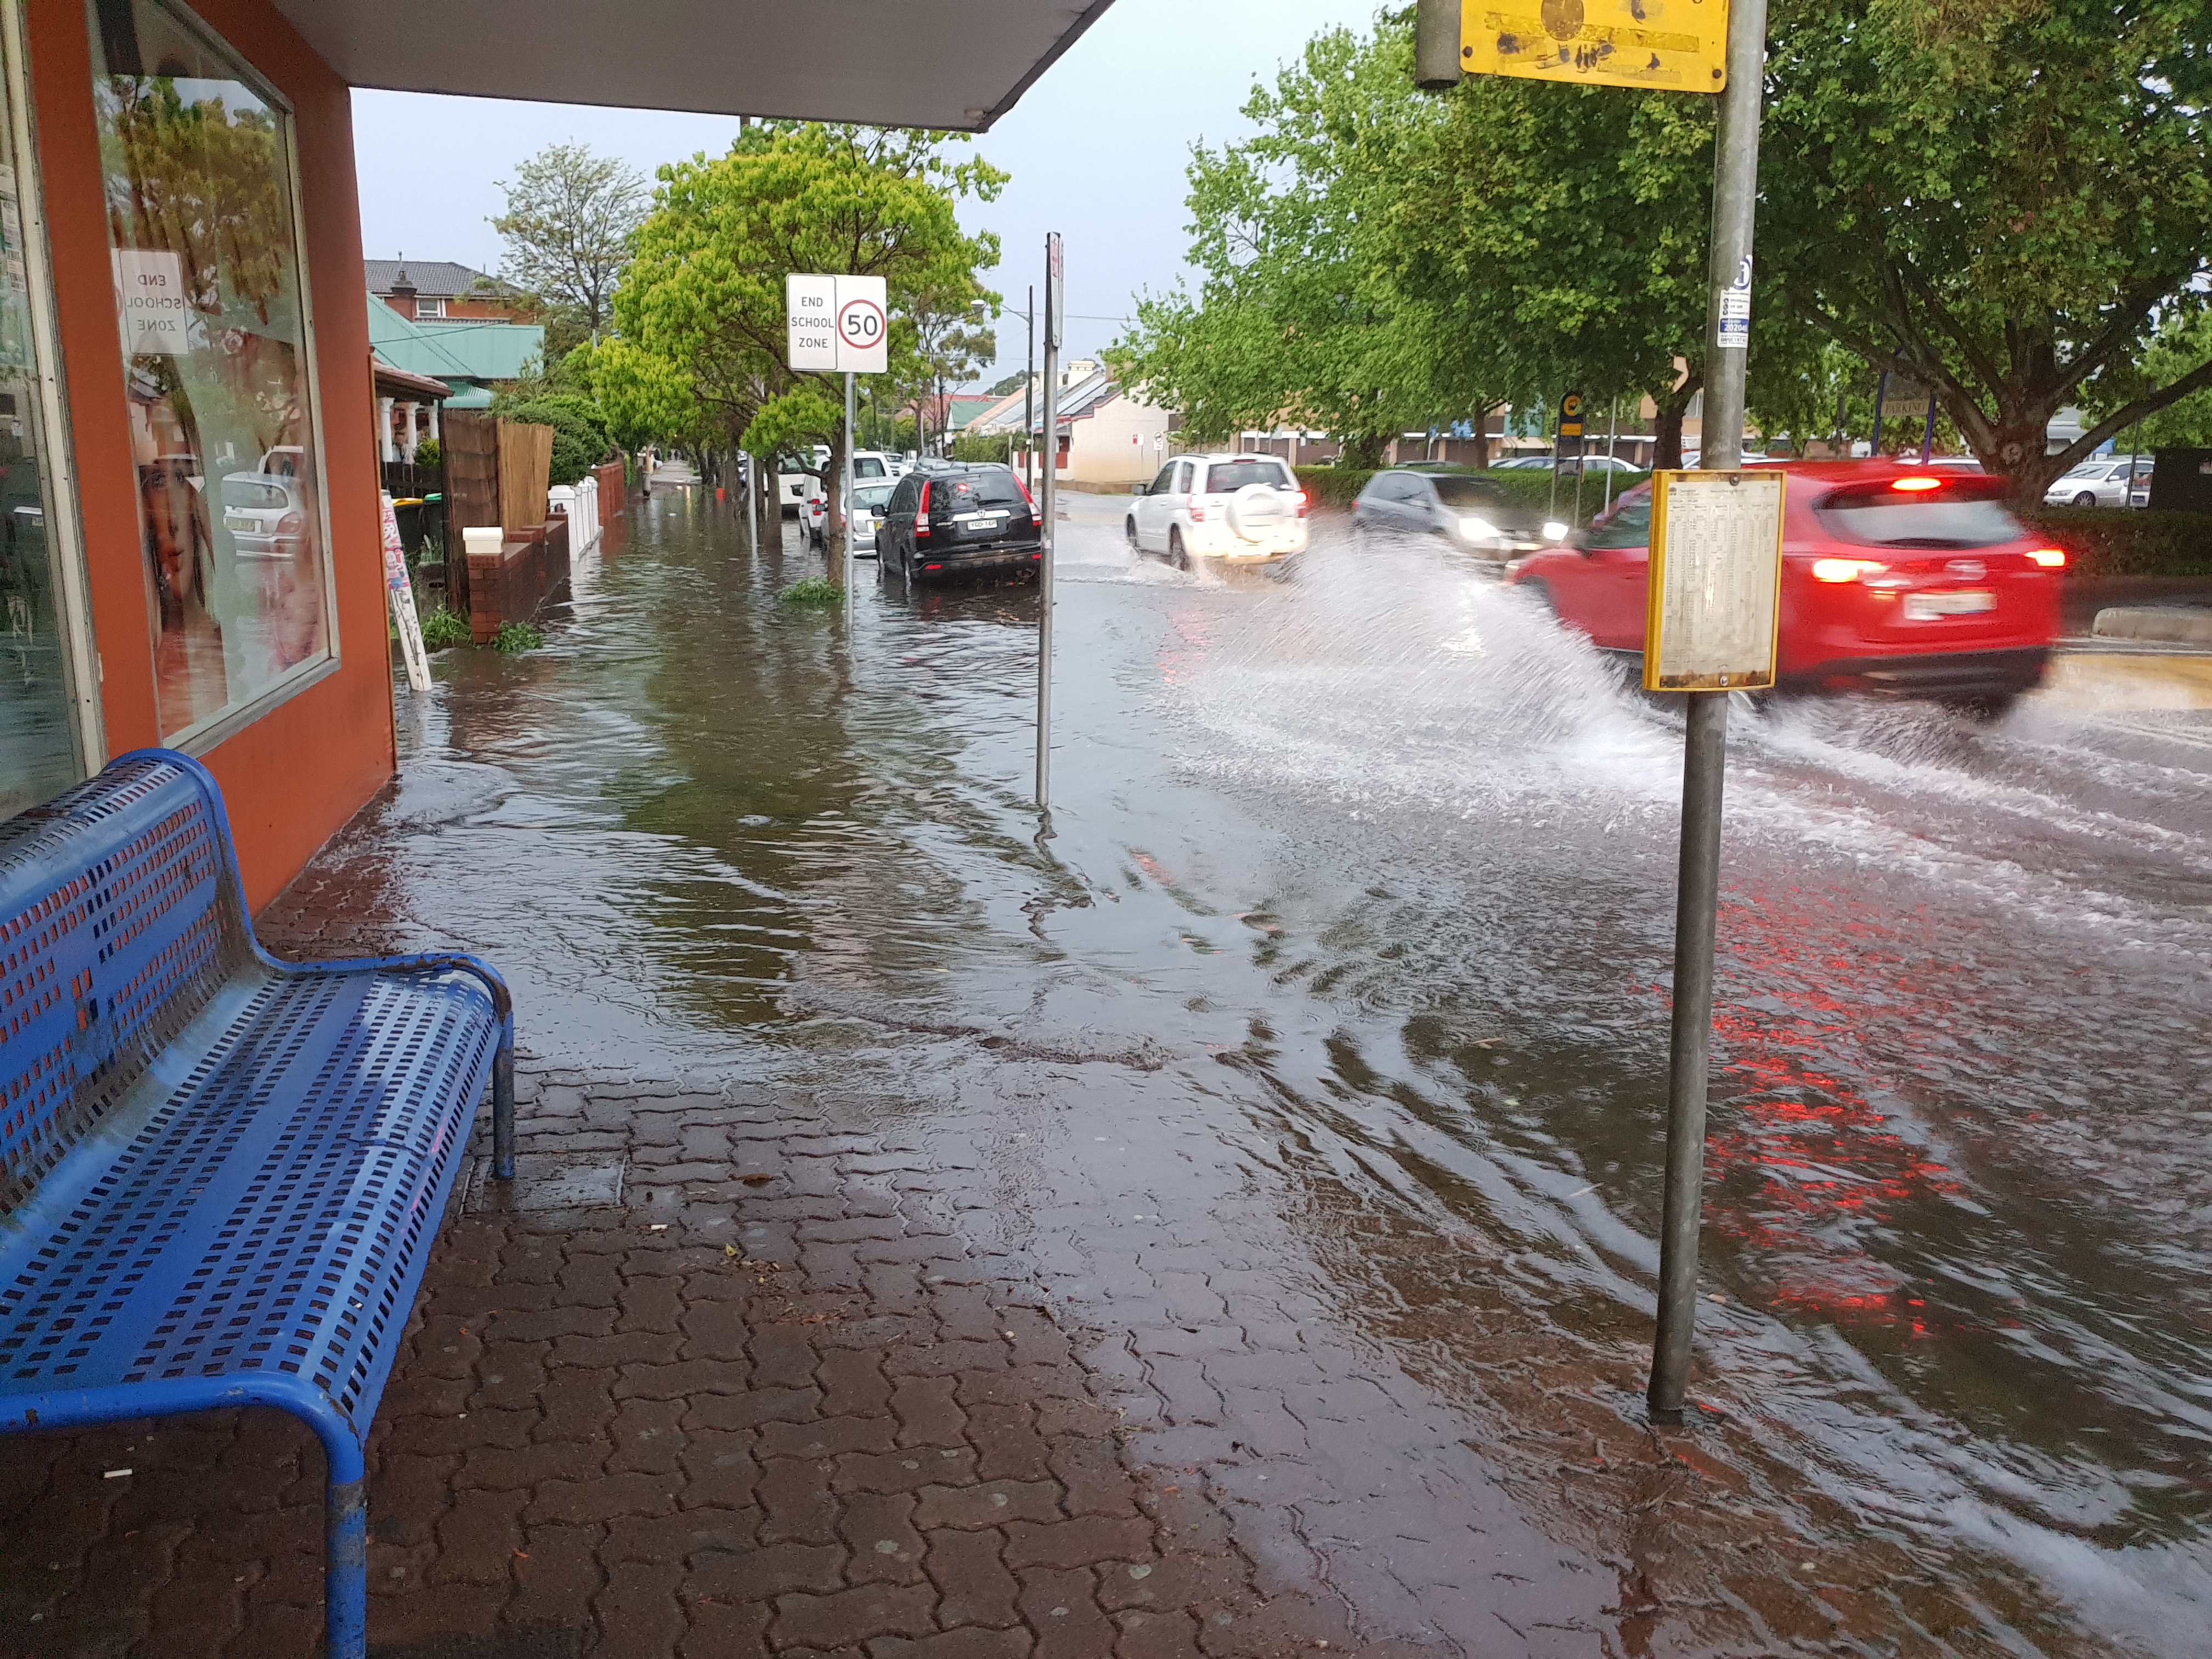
1704, 760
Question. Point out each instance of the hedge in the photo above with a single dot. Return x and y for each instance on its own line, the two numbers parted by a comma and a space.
2109, 542
1329, 486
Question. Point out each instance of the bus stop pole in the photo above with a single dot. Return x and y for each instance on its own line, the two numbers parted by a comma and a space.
1049, 505
1705, 757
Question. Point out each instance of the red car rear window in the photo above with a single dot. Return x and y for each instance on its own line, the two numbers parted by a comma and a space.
1957, 515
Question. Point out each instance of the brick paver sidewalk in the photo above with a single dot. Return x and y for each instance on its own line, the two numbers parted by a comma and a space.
771, 1403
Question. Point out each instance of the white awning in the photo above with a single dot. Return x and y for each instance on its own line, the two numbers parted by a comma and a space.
956, 65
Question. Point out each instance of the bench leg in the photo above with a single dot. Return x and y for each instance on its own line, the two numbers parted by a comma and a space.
502, 1106
345, 1570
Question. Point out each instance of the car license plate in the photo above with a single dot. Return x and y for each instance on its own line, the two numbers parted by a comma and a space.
247, 524
1926, 607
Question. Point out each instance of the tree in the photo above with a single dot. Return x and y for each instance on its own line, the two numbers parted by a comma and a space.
1295, 317
1559, 235
704, 295
950, 343
570, 218
2005, 201
1012, 383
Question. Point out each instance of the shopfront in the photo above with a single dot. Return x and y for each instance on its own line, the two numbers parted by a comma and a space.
190, 551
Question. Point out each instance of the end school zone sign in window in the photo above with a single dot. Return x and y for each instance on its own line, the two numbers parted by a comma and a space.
838, 324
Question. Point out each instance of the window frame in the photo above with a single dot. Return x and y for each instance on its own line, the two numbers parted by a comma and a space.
64, 528
219, 728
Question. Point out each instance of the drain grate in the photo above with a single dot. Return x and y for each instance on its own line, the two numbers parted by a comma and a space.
547, 1181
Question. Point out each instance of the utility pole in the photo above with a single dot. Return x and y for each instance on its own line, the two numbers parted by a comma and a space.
1048, 496
1704, 761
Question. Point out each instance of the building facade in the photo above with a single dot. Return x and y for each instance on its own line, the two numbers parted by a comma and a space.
437, 290
191, 555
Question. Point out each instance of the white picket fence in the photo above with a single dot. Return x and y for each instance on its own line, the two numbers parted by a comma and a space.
581, 501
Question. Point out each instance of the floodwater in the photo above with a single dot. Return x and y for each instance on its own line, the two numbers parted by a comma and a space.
1346, 960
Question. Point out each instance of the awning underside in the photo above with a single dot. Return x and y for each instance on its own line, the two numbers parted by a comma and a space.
949, 64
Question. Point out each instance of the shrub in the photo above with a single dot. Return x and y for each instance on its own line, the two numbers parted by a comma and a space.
429, 453
2108, 541
444, 629
514, 638
978, 447
1331, 486
815, 591
580, 438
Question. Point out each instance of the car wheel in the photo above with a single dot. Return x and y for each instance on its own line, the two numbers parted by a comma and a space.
1177, 557
2087, 498
1129, 530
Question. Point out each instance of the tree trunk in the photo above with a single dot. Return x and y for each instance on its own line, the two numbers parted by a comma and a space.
1672, 405
833, 522
1364, 450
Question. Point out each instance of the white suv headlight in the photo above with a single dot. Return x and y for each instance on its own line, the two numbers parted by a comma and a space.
1481, 528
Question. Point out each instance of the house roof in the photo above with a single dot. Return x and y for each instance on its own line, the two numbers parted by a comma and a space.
434, 279
944, 63
1003, 415
398, 383
961, 411
459, 354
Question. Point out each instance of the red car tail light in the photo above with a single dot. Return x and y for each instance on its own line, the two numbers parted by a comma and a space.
1915, 484
922, 516
1302, 503
1845, 570
1198, 509
2050, 558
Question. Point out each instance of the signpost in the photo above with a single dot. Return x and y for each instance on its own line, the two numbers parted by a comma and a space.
1706, 619
838, 325
1055, 311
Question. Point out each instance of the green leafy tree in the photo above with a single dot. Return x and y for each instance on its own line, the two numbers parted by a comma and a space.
570, 216
2004, 200
1296, 318
704, 295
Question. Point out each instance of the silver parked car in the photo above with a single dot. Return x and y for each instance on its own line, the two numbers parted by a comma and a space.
2104, 482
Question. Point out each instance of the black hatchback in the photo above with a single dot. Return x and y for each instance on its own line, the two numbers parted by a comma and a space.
950, 517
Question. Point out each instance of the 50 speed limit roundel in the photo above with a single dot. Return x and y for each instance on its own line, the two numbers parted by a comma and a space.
861, 324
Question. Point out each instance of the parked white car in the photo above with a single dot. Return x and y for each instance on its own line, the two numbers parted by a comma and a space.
2101, 483
1224, 506
872, 499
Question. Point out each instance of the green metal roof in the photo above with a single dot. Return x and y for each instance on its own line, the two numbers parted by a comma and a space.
459, 354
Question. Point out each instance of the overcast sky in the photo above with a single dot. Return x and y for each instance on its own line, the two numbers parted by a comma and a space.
1096, 149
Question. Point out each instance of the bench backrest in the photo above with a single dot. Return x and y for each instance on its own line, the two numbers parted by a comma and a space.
120, 915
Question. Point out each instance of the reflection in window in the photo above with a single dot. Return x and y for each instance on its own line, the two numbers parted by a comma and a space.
208, 282
39, 753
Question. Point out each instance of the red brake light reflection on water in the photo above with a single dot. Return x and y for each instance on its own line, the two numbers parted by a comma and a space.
1916, 484
2050, 558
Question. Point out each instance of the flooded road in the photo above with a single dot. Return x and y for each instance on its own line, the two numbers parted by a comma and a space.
1339, 987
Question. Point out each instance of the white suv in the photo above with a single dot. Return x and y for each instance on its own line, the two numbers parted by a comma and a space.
1226, 507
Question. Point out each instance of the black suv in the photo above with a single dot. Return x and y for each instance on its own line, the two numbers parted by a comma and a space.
950, 517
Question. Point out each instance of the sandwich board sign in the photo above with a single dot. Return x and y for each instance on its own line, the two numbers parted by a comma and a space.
1661, 46
1715, 604
837, 325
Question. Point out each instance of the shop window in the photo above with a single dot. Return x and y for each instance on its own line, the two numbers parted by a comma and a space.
42, 744
197, 152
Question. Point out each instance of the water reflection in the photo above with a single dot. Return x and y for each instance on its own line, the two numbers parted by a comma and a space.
1358, 898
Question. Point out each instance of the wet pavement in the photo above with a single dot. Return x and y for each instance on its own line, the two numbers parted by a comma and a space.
1225, 1223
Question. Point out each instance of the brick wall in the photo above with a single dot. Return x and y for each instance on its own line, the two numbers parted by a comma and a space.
530, 569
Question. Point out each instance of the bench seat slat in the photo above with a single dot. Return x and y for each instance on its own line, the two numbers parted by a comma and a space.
265, 1216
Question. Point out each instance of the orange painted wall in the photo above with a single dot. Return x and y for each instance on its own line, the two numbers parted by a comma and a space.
295, 777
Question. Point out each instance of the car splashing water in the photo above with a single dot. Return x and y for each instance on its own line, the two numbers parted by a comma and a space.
1355, 922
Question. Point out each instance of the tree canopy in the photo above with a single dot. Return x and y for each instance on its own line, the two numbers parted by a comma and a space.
570, 218
2009, 201
700, 313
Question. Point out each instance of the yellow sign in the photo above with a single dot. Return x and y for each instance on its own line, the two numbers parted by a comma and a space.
1715, 601
1669, 45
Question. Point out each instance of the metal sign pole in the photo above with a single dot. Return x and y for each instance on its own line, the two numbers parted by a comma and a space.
752, 504
848, 513
1704, 759
1029, 398
1048, 499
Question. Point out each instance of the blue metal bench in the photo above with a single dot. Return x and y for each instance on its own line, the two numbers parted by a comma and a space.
221, 1176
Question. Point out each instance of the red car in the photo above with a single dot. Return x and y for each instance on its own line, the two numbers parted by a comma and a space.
1894, 579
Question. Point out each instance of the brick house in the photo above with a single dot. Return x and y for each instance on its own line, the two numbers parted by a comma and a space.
436, 290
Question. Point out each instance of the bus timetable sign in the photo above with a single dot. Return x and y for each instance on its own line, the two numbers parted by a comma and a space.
837, 325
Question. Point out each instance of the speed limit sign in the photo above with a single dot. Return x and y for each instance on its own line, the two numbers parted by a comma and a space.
839, 324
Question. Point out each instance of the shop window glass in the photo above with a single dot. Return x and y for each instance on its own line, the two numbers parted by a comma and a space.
198, 159
39, 754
